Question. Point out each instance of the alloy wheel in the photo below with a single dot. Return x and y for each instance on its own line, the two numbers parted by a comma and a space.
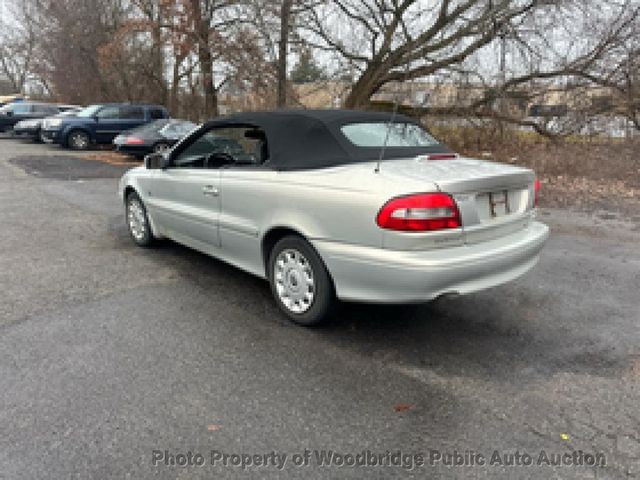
79, 140
294, 281
137, 219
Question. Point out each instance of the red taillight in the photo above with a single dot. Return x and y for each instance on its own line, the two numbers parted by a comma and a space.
134, 141
536, 192
419, 213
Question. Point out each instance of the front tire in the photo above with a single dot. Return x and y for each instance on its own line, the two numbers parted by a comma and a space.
138, 221
300, 282
78, 140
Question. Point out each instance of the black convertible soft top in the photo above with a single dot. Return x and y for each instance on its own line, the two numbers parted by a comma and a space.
305, 139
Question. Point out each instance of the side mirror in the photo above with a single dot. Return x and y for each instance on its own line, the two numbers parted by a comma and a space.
156, 161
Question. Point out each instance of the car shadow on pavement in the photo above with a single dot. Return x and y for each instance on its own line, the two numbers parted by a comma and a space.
512, 334
476, 336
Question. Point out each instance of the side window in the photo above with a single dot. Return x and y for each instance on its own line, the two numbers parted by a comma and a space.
20, 108
132, 113
239, 146
44, 109
108, 113
156, 113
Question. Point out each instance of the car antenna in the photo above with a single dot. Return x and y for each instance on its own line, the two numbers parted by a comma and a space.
394, 113
386, 137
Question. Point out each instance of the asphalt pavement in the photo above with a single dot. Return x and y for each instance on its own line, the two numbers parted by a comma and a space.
121, 362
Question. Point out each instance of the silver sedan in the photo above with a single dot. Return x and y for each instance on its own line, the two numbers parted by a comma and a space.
337, 204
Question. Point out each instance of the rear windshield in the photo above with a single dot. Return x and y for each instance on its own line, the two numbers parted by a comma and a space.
179, 128
152, 126
392, 135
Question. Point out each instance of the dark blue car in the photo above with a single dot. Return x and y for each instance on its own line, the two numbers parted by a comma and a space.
98, 124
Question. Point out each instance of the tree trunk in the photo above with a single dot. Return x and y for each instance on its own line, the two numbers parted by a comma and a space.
283, 47
175, 85
361, 91
158, 62
205, 59
206, 76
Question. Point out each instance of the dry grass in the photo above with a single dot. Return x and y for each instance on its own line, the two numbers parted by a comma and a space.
582, 172
111, 157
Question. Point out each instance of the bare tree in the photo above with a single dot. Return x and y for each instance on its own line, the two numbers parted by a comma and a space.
397, 40
283, 47
17, 47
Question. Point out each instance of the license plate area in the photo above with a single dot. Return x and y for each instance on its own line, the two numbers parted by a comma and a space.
493, 204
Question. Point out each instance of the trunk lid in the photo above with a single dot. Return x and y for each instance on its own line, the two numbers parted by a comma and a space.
494, 199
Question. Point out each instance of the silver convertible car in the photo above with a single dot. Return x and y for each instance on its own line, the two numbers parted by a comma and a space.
336, 204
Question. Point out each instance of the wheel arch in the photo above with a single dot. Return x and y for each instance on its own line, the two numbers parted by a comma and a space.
269, 240
274, 234
132, 188
127, 190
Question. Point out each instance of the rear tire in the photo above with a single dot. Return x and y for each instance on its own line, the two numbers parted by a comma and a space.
78, 140
138, 221
300, 282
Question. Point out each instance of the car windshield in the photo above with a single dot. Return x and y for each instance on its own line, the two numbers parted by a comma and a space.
90, 111
378, 134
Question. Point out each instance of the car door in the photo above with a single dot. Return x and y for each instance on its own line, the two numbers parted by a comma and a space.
131, 116
108, 123
41, 111
247, 191
34, 112
184, 198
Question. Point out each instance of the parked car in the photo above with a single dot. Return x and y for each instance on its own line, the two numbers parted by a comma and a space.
33, 128
339, 204
98, 124
6, 99
156, 136
13, 113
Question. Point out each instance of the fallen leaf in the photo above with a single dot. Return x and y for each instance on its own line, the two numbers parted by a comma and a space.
401, 407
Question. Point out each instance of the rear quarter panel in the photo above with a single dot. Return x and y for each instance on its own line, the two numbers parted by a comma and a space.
335, 204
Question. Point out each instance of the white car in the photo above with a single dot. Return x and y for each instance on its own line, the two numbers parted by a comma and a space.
337, 204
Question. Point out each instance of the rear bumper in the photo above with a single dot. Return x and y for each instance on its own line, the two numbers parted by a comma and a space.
378, 275
133, 150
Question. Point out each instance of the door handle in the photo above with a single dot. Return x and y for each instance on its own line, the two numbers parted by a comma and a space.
210, 190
